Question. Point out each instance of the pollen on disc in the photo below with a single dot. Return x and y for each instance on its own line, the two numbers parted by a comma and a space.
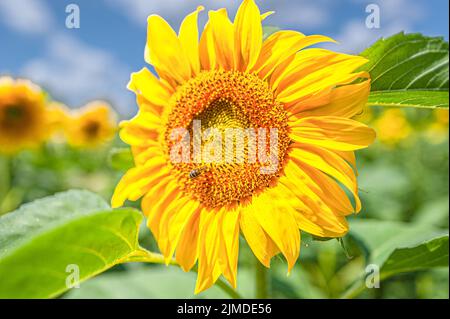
227, 101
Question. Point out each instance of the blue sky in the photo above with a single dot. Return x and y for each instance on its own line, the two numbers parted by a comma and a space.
95, 61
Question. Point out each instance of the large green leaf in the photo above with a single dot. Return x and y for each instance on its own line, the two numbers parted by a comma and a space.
41, 239
385, 241
397, 247
408, 70
429, 254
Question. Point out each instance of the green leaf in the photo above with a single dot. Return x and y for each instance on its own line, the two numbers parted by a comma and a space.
408, 70
41, 239
430, 254
121, 159
383, 238
397, 247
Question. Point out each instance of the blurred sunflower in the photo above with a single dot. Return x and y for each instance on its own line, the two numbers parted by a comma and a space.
58, 115
437, 131
90, 126
231, 78
392, 127
24, 120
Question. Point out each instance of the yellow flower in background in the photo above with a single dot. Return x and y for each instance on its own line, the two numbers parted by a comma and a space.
441, 116
232, 79
58, 115
437, 131
90, 126
392, 126
24, 121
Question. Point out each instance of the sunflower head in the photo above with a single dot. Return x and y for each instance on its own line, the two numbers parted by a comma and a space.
23, 115
240, 135
90, 126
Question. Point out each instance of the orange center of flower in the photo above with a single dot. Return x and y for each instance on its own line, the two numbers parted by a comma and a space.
236, 134
91, 129
15, 119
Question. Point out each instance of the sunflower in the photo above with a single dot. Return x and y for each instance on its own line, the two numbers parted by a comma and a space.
437, 131
233, 79
392, 127
90, 126
23, 115
58, 115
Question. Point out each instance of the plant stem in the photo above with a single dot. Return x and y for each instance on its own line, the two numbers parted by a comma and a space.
5, 180
262, 281
143, 255
354, 291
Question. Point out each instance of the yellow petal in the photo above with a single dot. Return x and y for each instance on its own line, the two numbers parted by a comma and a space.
280, 46
143, 130
188, 36
146, 84
330, 191
154, 207
266, 14
143, 154
154, 195
280, 225
137, 179
187, 249
345, 101
208, 60
138, 136
172, 223
164, 50
230, 250
319, 78
248, 35
260, 243
329, 163
209, 247
326, 194
350, 158
311, 214
301, 64
144, 119
222, 31
332, 132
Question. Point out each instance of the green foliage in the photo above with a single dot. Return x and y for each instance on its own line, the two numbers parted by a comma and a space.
408, 70
430, 254
400, 247
145, 281
121, 158
40, 240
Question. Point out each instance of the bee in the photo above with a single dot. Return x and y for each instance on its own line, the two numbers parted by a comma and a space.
197, 172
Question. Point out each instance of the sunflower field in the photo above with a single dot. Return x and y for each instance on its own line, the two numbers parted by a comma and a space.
354, 202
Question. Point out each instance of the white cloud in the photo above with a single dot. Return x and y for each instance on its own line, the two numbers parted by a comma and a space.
355, 36
172, 10
301, 13
309, 15
395, 16
76, 73
28, 16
